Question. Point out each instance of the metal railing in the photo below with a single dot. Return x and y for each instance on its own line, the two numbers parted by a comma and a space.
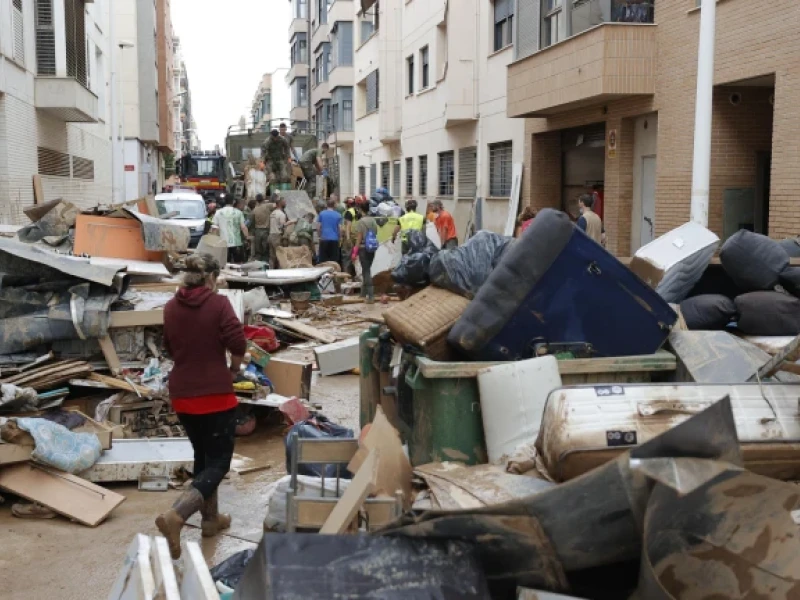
586, 14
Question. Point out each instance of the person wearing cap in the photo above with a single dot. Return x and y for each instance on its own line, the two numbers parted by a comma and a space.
445, 226
411, 221
277, 154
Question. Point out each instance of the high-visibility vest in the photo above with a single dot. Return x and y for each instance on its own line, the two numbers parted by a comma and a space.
411, 221
352, 212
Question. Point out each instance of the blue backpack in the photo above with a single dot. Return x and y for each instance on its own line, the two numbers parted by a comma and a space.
371, 242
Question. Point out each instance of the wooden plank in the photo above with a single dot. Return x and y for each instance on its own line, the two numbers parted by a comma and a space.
63, 493
58, 378
38, 190
119, 384
110, 354
67, 368
660, 361
357, 491
34, 372
774, 364
197, 583
37, 363
307, 330
136, 318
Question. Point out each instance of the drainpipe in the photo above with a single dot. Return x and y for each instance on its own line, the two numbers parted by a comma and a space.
116, 152
308, 59
701, 169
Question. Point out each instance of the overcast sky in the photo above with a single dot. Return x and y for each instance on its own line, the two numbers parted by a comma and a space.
227, 47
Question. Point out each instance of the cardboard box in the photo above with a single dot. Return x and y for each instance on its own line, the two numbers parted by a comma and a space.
289, 377
112, 238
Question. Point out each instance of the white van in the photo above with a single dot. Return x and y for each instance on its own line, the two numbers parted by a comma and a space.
191, 209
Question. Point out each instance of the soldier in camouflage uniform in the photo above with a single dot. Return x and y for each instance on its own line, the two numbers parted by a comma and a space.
312, 166
277, 153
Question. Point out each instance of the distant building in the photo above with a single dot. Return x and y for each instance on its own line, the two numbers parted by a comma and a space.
297, 77
262, 103
54, 111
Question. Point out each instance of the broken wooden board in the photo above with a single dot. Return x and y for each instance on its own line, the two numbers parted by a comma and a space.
136, 318
290, 378
357, 491
307, 331
110, 354
14, 453
66, 494
120, 384
339, 357
394, 468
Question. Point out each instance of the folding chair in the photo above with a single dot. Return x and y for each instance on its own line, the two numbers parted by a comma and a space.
311, 512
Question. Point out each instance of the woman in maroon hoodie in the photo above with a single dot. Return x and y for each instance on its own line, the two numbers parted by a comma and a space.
200, 328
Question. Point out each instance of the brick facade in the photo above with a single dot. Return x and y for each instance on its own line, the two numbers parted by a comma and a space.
750, 44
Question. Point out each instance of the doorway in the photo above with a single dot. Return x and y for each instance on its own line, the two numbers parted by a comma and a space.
648, 224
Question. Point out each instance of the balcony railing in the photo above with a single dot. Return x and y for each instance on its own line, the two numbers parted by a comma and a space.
586, 14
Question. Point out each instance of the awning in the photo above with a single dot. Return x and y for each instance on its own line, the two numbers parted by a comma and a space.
366, 5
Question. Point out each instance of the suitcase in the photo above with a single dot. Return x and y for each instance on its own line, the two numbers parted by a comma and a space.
425, 319
675, 262
557, 289
586, 426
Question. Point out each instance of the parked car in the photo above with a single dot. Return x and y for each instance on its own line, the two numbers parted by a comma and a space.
191, 209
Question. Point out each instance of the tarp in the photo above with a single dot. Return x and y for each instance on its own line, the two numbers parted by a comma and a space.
16, 259
161, 235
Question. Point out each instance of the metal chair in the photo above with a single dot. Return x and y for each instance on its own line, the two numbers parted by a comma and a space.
311, 512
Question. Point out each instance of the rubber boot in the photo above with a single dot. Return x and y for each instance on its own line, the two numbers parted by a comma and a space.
172, 521
213, 521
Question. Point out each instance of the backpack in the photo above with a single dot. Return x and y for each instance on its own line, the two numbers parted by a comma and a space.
371, 242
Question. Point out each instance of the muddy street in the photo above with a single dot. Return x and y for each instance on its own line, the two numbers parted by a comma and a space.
38, 557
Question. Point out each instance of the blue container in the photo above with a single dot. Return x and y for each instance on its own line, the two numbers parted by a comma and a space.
555, 287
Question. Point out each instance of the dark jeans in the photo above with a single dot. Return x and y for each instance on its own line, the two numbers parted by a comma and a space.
328, 251
366, 259
236, 254
212, 439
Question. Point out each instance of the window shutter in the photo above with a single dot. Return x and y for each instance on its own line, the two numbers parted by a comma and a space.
53, 162
467, 172
372, 92
373, 177
45, 38
396, 191
501, 9
527, 37
19, 31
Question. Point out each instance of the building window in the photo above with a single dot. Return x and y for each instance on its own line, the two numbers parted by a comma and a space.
396, 178
503, 23
362, 181
424, 61
551, 23
410, 69
373, 177
266, 104
367, 29
302, 92
385, 175
19, 31
342, 44
75, 26
299, 48
500, 170
45, 38
301, 9
373, 92
447, 174
347, 115
423, 175
409, 177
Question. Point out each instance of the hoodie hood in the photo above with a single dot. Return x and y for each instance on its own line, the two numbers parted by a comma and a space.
194, 297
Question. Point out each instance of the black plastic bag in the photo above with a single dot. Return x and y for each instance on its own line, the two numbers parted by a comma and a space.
414, 267
790, 280
754, 261
792, 247
708, 312
319, 427
465, 269
230, 570
768, 313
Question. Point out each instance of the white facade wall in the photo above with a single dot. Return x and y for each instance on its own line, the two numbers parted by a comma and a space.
463, 106
23, 128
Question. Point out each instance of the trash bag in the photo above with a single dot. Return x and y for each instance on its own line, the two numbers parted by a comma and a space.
465, 269
318, 427
768, 313
414, 266
708, 312
230, 570
753, 261
792, 247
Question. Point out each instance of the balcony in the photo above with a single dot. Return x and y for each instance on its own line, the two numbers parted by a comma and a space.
298, 69
341, 76
606, 62
341, 138
340, 10
322, 91
65, 99
459, 91
298, 26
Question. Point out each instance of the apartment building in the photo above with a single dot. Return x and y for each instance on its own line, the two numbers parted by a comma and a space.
430, 104
262, 104
54, 71
145, 62
606, 89
297, 78
189, 140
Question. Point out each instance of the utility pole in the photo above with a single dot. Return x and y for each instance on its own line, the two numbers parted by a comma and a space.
701, 169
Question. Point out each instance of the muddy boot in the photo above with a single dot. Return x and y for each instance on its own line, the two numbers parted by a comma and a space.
171, 522
213, 522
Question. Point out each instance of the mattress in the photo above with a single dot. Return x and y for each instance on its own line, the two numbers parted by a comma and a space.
586, 426
675, 262
555, 287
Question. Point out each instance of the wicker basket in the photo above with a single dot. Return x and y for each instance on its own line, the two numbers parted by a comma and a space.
425, 319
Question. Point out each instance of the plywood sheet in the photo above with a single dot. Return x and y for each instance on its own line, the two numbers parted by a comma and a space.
63, 493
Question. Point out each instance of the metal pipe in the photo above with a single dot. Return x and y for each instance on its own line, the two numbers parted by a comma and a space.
308, 59
701, 168
116, 158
